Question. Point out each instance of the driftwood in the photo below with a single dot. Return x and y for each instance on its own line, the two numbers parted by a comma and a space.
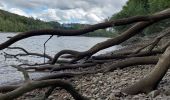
27, 53
135, 29
145, 55
151, 81
30, 85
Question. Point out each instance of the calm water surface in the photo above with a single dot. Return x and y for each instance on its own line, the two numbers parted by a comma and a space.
35, 44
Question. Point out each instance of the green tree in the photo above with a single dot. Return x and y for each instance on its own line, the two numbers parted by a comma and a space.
10, 22
143, 7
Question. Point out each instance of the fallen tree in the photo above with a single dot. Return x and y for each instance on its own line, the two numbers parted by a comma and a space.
145, 55
30, 85
135, 29
151, 81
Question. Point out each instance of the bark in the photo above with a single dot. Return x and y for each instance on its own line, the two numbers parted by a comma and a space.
132, 62
145, 85
73, 66
138, 52
62, 75
71, 52
31, 85
129, 54
155, 42
67, 75
7, 88
60, 67
151, 81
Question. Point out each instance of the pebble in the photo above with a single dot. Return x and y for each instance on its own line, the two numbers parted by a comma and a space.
154, 93
167, 92
107, 86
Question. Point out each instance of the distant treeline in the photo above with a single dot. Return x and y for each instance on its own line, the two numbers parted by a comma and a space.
10, 22
98, 33
143, 7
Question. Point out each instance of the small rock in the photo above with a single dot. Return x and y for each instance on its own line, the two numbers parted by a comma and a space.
154, 93
119, 94
100, 82
100, 74
136, 97
111, 97
167, 92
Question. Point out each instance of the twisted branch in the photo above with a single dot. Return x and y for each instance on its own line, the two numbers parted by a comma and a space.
91, 28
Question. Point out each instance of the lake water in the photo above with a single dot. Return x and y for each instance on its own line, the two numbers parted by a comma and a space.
35, 44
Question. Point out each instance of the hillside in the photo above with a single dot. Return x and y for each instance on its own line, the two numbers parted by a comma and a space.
143, 7
10, 22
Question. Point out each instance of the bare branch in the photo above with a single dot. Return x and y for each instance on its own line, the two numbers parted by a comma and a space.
24, 72
32, 85
155, 41
45, 46
132, 62
28, 53
22, 49
151, 81
135, 29
160, 16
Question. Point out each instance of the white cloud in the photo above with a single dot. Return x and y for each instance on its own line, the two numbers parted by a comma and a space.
93, 18
72, 15
18, 11
1, 6
84, 11
48, 15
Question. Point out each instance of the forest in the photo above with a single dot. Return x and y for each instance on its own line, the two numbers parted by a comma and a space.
85, 75
14, 23
143, 7
10, 22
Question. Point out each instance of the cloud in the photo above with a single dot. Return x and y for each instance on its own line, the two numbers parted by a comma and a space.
84, 11
48, 15
18, 11
1, 6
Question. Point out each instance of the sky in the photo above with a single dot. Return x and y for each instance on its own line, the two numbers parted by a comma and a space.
64, 11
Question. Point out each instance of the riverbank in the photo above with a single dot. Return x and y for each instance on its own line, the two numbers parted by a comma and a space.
107, 86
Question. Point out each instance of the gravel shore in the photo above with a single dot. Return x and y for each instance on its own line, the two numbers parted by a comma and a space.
107, 86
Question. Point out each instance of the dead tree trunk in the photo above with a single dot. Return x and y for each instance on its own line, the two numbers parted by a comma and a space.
145, 85
30, 85
135, 29
151, 81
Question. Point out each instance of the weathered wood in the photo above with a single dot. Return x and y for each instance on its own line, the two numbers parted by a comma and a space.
151, 81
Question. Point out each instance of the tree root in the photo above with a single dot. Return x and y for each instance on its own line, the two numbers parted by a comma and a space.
145, 85
114, 41
132, 62
30, 85
151, 81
